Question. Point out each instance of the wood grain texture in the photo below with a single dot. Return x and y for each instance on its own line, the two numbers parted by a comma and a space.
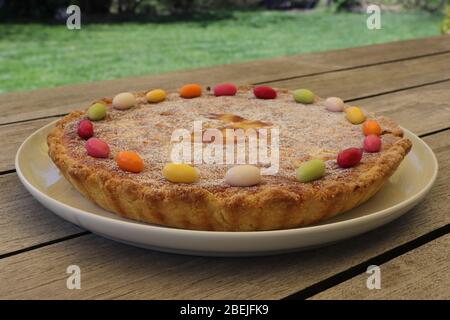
23, 221
55, 101
422, 273
112, 270
421, 110
14, 135
374, 80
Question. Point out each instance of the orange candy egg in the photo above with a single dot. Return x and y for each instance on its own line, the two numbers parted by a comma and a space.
371, 127
190, 91
130, 161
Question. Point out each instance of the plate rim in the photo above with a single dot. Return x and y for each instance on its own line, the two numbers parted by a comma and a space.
263, 233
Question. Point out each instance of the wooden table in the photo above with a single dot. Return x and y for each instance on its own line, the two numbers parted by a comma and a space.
408, 81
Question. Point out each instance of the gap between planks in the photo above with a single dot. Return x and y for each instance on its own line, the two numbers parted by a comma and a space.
362, 267
420, 274
354, 67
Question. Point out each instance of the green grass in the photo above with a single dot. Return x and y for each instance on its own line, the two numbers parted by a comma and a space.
35, 56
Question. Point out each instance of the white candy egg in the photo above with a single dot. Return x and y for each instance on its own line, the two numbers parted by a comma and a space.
243, 176
334, 104
124, 100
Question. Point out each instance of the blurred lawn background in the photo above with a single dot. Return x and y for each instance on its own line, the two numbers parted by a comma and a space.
36, 55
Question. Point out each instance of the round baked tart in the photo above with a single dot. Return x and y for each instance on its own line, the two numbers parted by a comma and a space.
323, 157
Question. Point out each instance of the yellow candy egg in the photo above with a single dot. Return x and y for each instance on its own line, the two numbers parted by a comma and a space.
156, 95
180, 173
355, 115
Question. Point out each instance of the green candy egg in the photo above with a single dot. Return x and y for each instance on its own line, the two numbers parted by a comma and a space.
97, 111
310, 170
304, 96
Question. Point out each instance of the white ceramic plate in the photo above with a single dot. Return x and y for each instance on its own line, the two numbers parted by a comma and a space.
405, 188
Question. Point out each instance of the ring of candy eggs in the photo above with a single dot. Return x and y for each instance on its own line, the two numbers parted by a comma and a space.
239, 175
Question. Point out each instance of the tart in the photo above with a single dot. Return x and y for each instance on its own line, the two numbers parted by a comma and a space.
280, 200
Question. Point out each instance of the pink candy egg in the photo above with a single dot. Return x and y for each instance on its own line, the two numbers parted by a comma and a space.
225, 89
334, 104
264, 92
85, 129
349, 157
372, 143
97, 148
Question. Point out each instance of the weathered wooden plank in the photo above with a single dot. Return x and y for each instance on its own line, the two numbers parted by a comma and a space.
374, 80
419, 274
23, 221
14, 135
44, 102
111, 270
422, 110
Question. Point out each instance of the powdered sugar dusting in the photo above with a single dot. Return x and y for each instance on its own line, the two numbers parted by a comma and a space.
306, 131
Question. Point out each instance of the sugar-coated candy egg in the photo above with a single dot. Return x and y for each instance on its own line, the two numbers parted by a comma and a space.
124, 100
304, 96
85, 129
355, 115
129, 161
190, 91
225, 89
180, 173
97, 148
156, 95
349, 157
334, 104
310, 170
264, 92
97, 111
243, 176
372, 143
371, 127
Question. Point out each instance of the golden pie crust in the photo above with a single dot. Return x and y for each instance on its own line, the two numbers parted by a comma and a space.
279, 202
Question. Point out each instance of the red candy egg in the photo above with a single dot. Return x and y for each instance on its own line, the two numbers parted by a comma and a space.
264, 92
85, 129
349, 157
372, 143
225, 89
97, 148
